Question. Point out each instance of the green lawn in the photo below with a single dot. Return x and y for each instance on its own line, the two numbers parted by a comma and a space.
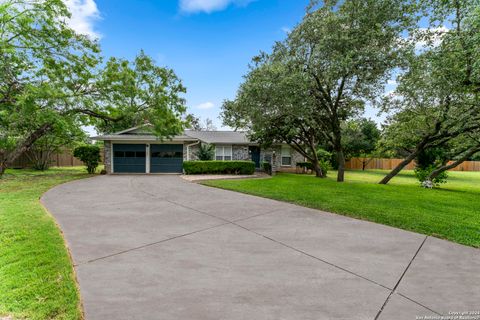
36, 274
451, 212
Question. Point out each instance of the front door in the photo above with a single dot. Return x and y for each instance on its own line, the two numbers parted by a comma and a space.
255, 155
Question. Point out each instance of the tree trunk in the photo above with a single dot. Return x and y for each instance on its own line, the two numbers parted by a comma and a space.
316, 163
311, 156
405, 162
39, 158
435, 173
399, 168
341, 166
365, 163
318, 169
23, 147
338, 148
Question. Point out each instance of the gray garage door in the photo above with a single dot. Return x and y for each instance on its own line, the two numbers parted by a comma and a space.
129, 158
166, 158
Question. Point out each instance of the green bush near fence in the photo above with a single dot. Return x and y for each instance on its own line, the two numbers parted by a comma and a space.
219, 167
90, 155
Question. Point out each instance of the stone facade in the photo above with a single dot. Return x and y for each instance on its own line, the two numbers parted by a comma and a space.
240, 152
268, 156
107, 156
296, 158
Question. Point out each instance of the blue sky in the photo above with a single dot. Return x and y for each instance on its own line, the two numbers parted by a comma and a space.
209, 43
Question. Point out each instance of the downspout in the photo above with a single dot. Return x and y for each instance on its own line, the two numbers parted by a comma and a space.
188, 149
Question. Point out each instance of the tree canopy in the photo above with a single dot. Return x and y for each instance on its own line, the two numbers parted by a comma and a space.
333, 63
436, 102
137, 92
52, 77
360, 137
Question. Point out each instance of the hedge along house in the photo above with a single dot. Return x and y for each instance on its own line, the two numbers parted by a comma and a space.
137, 150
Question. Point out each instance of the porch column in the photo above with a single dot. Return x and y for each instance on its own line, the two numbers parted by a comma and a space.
274, 163
147, 158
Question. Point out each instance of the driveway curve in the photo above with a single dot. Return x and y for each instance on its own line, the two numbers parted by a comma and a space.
159, 247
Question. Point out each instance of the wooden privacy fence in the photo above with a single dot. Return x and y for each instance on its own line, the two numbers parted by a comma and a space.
61, 159
389, 164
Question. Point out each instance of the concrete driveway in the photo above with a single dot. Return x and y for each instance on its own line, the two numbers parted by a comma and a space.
159, 247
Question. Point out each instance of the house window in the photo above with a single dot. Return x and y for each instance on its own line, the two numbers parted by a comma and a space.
223, 153
286, 156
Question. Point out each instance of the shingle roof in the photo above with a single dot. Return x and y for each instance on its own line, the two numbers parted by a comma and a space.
214, 137
140, 137
228, 137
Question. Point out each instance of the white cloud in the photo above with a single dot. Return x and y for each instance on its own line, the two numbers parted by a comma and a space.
392, 82
84, 14
205, 105
208, 6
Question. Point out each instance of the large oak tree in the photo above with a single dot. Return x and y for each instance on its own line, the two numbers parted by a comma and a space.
341, 54
50, 77
437, 99
273, 104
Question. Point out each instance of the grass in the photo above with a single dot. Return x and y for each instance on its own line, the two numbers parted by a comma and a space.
451, 212
36, 275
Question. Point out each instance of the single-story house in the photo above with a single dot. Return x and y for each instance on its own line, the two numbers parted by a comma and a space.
137, 150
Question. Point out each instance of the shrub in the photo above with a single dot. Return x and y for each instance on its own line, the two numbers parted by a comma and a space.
426, 162
267, 167
324, 165
323, 154
219, 167
90, 155
305, 165
206, 152
423, 173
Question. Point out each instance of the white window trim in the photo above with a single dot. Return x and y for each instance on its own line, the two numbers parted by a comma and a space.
223, 147
286, 156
